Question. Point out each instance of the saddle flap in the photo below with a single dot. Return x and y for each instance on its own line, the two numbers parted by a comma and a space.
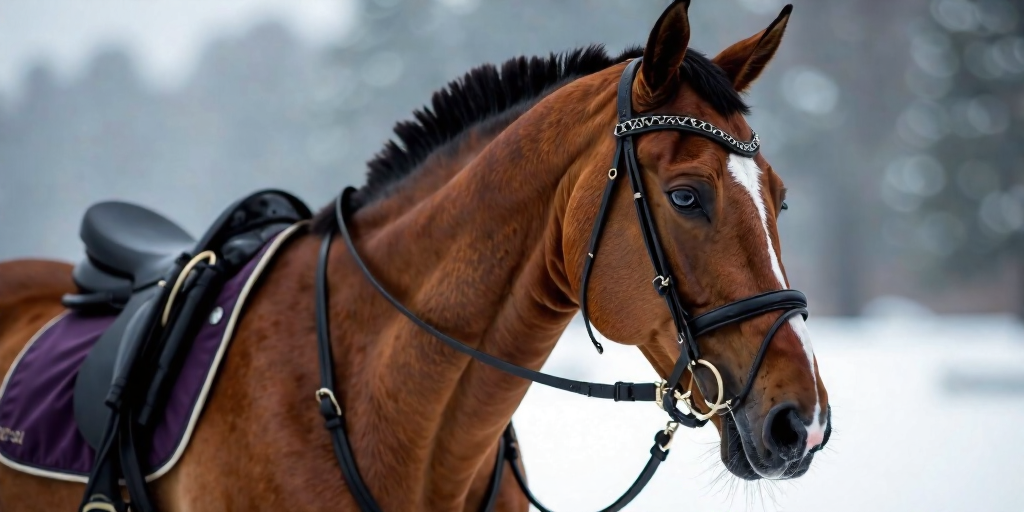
111, 357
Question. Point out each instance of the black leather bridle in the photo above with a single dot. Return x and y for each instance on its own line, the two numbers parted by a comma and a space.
667, 394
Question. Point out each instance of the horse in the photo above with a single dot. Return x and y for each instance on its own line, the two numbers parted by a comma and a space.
478, 220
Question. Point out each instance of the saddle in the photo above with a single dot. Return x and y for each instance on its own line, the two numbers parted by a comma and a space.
161, 283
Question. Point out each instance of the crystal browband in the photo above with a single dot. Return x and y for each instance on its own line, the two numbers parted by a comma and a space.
643, 124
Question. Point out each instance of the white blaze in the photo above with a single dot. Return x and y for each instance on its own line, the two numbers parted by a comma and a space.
748, 174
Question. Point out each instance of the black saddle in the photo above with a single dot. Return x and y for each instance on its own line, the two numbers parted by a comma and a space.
135, 260
131, 241
128, 247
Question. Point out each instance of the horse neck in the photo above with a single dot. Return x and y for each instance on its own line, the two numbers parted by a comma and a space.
480, 258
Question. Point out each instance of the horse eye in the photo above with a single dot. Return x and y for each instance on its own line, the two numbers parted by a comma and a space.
684, 199
785, 206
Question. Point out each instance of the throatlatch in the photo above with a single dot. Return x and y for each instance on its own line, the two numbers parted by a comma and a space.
666, 394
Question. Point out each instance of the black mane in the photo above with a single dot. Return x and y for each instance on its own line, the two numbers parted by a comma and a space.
488, 91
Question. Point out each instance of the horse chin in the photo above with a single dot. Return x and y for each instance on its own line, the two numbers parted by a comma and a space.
741, 459
734, 453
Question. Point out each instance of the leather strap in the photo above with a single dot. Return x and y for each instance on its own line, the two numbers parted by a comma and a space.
329, 407
738, 399
595, 238
102, 489
748, 308
659, 452
618, 391
495, 486
331, 410
132, 464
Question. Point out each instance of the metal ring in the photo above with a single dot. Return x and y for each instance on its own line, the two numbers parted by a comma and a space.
105, 507
670, 431
613, 173
100, 503
684, 398
322, 392
665, 281
209, 256
719, 405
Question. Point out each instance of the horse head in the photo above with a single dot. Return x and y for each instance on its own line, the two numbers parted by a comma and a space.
708, 206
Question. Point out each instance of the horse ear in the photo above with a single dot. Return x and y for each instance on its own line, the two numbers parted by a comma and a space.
744, 61
666, 47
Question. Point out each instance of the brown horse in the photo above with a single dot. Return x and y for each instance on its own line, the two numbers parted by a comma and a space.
479, 224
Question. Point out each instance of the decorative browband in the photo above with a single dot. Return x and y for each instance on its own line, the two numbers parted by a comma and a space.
645, 124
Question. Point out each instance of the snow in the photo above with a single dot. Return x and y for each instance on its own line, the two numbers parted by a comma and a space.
927, 413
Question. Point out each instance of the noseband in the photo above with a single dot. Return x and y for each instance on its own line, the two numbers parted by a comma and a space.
666, 394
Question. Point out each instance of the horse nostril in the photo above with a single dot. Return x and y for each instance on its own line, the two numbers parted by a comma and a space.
784, 433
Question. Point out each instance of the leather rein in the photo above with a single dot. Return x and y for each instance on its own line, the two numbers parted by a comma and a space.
666, 393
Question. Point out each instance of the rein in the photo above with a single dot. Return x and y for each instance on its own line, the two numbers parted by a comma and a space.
666, 393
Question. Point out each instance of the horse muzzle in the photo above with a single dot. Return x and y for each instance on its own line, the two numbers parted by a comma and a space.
778, 451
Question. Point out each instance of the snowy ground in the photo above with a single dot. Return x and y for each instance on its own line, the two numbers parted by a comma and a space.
928, 416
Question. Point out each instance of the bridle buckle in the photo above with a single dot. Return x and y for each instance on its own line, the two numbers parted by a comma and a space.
661, 284
660, 391
324, 392
670, 432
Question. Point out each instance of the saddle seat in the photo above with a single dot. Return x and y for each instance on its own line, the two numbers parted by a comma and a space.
131, 241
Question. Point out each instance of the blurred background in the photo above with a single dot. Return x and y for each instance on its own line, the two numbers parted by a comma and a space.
897, 127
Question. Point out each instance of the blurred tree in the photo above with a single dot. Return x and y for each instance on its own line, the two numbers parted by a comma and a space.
820, 110
961, 181
400, 51
899, 142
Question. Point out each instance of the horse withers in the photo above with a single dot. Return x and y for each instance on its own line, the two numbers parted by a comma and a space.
481, 222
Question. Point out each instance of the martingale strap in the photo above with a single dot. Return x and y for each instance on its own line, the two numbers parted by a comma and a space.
666, 395
659, 452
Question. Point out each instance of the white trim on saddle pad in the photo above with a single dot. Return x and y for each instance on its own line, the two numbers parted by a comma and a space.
3, 387
236, 312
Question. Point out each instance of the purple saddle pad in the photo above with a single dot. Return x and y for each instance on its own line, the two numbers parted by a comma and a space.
38, 434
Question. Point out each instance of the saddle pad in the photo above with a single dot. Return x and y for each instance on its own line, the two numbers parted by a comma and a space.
38, 434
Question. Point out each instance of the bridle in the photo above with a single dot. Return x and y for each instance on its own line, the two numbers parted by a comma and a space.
666, 394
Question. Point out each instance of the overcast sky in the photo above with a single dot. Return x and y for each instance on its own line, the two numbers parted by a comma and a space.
164, 35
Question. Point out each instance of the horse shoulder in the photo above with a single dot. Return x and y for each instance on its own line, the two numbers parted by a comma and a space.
261, 422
